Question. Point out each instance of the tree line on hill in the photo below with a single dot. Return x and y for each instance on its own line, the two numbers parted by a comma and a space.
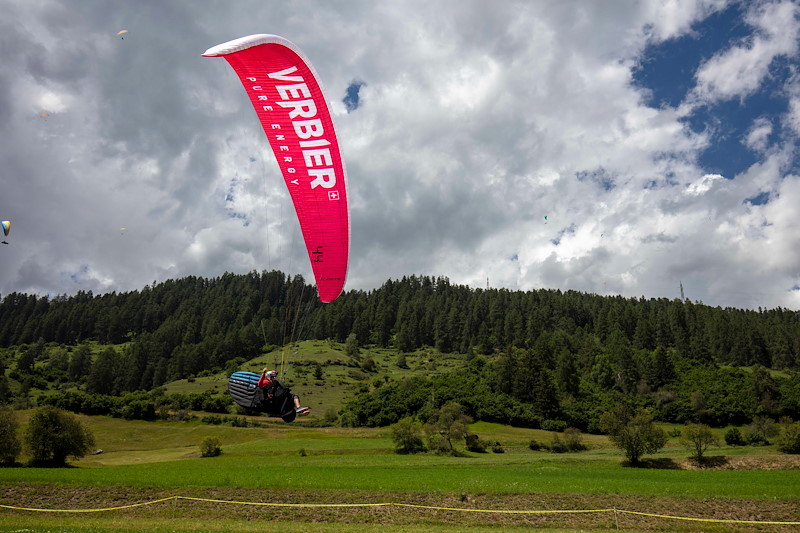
539, 357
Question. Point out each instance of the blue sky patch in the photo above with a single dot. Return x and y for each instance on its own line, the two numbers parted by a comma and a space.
759, 199
667, 71
351, 99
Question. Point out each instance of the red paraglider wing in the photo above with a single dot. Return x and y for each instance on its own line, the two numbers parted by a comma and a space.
292, 108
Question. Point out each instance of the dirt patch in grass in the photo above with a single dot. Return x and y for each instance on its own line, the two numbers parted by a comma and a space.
721, 462
412, 510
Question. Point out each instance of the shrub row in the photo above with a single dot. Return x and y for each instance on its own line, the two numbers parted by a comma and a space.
136, 405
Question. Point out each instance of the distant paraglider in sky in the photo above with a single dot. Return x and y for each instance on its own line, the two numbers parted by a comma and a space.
288, 99
120, 33
6, 228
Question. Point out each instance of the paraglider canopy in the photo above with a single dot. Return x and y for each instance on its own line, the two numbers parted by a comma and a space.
6, 228
122, 32
289, 101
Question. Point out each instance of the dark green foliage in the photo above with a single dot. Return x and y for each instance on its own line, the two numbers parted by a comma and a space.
137, 405
474, 443
10, 444
557, 445
633, 432
407, 436
760, 430
697, 438
554, 425
570, 441
105, 376
789, 439
210, 447
733, 437
573, 440
5, 389
368, 364
546, 354
446, 425
29, 356
395, 400
351, 345
401, 361
53, 435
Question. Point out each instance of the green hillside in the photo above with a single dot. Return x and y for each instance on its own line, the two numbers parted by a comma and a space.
538, 358
342, 376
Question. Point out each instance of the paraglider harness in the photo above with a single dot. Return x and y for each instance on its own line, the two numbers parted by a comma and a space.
278, 400
275, 399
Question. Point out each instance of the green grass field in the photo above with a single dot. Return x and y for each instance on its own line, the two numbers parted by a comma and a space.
145, 461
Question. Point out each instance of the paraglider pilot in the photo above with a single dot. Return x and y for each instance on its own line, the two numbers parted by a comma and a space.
268, 382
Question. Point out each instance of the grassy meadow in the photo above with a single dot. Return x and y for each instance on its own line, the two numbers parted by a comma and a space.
304, 478
296, 464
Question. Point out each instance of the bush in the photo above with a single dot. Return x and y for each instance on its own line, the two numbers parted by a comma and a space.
573, 440
210, 447
368, 365
475, 443
351, 345
348, 419
760, 430
557, 445
633, 432
697, 438
139, 410
401, 361
445, 425
535, 446
216, 404
498, 448
9, 440
407, 436
239, 422
330, 417
357, 374
789, 439
733, 437
53, 435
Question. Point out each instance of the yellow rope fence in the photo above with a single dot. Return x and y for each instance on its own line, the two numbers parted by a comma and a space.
407, 505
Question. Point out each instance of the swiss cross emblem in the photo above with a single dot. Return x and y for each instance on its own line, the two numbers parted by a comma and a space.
333, 195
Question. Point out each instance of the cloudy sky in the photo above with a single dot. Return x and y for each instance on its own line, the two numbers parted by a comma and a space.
659, 138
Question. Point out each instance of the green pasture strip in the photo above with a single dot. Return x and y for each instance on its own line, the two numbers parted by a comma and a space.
369, 472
